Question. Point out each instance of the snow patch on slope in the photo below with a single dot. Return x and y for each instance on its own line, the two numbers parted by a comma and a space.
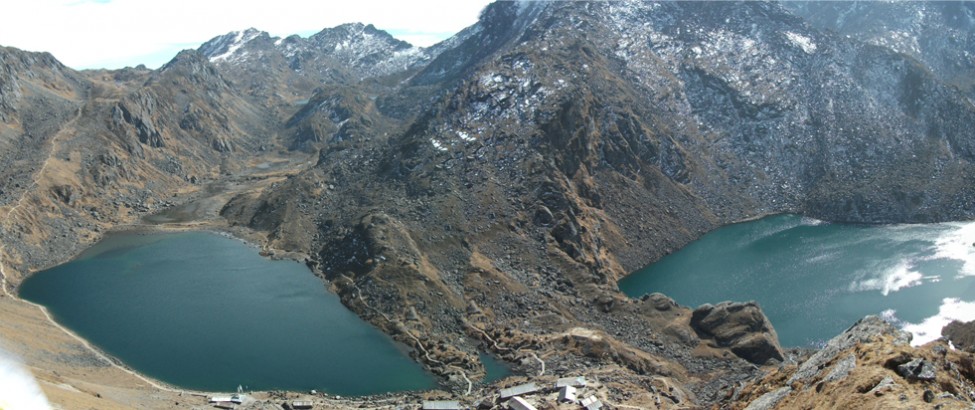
228, 45
801, 41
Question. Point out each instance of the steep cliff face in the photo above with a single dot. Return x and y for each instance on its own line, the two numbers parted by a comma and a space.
808, 116
189, 100
713, 112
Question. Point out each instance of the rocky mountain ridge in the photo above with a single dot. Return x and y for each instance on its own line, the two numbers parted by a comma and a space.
486, 194
362, 50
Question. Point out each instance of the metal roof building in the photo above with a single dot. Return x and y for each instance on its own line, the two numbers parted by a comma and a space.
518, 403
301, 404
567, 394
518, 390
577, 381
442, 405
591, 403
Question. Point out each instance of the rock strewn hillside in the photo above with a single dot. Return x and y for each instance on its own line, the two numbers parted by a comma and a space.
870, 365
941, 34
575, 142
122, 145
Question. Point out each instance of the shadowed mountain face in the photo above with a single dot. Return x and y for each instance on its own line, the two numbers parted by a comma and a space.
491, 190
659, 121
941, 34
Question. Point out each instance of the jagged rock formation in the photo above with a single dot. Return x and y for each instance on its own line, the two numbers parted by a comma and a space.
742, 327
347, 64
962, 335
870, 365
486, 193
359, 51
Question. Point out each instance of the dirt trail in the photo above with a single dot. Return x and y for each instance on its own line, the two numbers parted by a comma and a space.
53, 145
8, 218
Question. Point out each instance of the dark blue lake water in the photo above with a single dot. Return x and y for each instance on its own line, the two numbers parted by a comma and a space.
206, 312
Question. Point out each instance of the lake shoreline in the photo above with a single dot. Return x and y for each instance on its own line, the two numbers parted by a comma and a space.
146, 311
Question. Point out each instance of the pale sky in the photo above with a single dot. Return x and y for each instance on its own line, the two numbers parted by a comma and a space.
118, 33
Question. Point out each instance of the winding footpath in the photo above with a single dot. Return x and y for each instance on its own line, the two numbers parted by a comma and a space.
426, 354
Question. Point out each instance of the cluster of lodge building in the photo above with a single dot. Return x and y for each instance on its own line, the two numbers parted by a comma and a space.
519, 397
232, 402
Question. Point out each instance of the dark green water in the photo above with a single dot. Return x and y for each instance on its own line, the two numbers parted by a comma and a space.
814, 280
206, 312
494, 368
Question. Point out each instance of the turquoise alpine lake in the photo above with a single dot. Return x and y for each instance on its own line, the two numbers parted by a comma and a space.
494, 369
814, 279
206, 312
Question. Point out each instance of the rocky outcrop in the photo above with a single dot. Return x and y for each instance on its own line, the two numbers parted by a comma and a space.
961, 334
742, 327
868, 329
336, 117
134, 118
769, 400
917, 369
870, 365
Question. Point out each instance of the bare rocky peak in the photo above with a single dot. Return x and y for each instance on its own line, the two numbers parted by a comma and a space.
363, 49
227, 45
34, 74
193, 66
500, 23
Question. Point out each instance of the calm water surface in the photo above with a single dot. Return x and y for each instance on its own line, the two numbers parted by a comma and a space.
814, 279
206, 312
495, 369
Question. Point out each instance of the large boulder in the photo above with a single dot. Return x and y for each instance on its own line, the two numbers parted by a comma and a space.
741, 327
918, 369
962, 335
